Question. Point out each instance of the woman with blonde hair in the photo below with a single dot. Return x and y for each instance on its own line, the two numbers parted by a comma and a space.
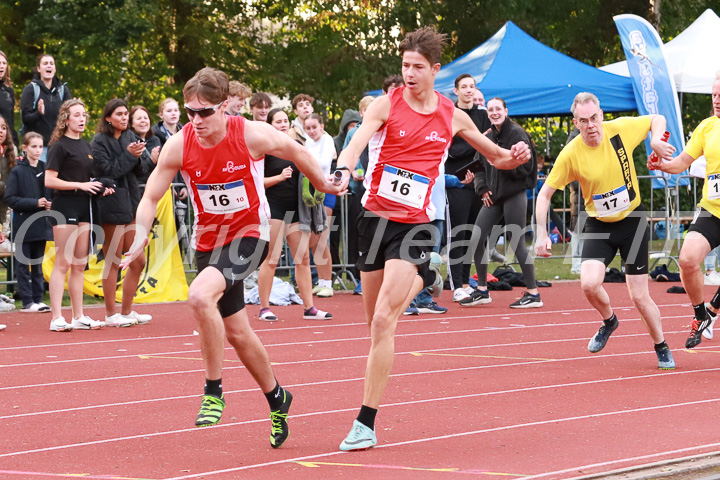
70, 174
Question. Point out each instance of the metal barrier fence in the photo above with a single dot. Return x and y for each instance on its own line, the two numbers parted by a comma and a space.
664, 206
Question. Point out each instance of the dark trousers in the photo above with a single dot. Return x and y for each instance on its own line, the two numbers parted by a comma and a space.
464, 208
30, 281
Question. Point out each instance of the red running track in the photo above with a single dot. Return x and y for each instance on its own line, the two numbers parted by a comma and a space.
482, 392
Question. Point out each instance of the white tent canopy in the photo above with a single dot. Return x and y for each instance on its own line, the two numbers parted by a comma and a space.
693, 57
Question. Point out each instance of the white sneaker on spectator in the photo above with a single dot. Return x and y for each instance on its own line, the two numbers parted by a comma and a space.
31, 308
496, 256
460, 294
119, 320
43, 307
712, 278
142, 318
7, 298
60, 325
86, 323
6, 307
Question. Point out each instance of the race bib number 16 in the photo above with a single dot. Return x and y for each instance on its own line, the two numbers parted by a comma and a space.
222, 198
403, 186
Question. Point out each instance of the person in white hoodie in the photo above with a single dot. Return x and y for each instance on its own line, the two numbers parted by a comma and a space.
320, 144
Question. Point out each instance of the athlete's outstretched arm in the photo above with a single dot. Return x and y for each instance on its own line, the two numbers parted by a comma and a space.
543, 244
160, 179
500, 158
263, 139
375, 117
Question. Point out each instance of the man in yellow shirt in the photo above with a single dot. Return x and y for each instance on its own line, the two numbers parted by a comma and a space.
601, 160
704, 232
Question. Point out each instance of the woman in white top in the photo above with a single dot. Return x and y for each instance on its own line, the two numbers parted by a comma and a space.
321, 146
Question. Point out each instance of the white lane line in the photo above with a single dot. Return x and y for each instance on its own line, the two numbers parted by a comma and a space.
456, 435
332, 340
364, 356
631, 459
330, 325
396, 375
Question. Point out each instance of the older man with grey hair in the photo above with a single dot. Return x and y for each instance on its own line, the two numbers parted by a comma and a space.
601, 160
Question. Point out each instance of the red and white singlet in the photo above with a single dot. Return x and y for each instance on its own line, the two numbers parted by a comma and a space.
405, 156
226, 188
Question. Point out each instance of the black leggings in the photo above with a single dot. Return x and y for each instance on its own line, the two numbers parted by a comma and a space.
464, 206
513, 209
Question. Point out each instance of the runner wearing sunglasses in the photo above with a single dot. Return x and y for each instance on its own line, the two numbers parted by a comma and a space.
221, 159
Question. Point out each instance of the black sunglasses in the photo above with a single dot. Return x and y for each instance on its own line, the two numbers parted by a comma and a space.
203, 112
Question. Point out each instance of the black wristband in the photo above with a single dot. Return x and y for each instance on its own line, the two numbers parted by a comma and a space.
342, 168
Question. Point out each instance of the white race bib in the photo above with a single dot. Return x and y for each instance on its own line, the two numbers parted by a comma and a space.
612, 202
713, 186
403, 186
222, 198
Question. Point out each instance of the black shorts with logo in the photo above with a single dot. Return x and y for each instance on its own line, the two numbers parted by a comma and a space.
380, 240
236, 261
707, 225
73, 209
631, 236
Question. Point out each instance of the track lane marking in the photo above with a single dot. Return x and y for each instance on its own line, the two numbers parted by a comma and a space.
330, 325
403, 404
349, 339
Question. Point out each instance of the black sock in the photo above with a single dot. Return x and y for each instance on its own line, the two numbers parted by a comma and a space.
611, 321
661, 346
715, 302
700, 312
367, 416
275, 397
213, 387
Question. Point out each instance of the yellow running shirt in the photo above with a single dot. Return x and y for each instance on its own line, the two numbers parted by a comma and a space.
705, 140
606, 173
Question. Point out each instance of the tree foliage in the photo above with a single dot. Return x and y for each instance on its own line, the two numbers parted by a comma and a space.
333, 50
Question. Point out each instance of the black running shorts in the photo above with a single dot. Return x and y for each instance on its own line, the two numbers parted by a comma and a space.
73, 209
380, 240
236, 261
707, 225
631, 236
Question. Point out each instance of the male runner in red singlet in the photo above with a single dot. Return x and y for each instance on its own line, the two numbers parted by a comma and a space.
221, 159
409, 132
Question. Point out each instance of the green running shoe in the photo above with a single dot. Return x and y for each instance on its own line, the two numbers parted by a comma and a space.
210, 411
278, 418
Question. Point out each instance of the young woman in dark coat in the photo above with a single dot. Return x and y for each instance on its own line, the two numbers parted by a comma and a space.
7, 96
117, 152
27, 195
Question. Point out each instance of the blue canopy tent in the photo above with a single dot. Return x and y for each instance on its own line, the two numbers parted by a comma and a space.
533, 78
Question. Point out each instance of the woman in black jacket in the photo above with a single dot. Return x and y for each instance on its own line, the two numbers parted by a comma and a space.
117, 153
41, 100
503, 195
28, 196
140, 124
7, 96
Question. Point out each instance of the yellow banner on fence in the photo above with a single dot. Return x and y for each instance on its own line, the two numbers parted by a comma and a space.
164, 277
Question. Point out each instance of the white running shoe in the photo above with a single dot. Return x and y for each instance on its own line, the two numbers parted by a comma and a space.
42, 308
32, 308
141, 318
86, 323
60, 325
2, 327
708, 332
712, 278
325, 292
460, 294
6, 307
118, 320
